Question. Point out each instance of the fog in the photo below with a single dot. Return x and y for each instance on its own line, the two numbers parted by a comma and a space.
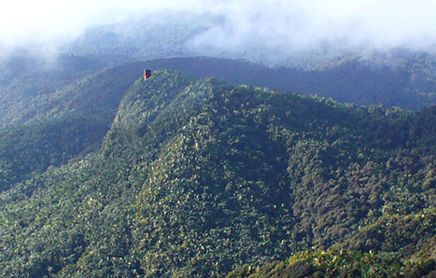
302, 24
281, 26
25, 22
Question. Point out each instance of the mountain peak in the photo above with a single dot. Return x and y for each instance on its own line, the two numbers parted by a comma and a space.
197, 177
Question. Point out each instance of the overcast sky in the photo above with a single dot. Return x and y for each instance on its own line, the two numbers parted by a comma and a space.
289, 23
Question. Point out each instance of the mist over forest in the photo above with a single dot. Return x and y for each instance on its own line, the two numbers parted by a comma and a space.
274, 30
272, 139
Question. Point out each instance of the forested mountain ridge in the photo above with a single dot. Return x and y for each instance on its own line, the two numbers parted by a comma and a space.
78, 94
53, 127
350, 81
403, 81
197, 177
394, 77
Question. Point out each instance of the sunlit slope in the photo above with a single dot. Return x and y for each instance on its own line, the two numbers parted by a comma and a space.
197, 177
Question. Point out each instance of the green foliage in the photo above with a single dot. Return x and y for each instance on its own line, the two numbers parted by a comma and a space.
338, 263
37, 99
50, 129
199, 178
31, 148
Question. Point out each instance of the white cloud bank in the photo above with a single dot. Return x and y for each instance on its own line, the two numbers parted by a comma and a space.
301, 24
24, 21
286, 24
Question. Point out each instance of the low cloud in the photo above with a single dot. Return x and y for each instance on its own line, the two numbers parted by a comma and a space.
49, 23
295, 25
275, 26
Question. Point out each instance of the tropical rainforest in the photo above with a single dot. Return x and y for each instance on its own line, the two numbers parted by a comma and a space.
216, 167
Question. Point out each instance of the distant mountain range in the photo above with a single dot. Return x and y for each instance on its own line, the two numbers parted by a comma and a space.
80, 89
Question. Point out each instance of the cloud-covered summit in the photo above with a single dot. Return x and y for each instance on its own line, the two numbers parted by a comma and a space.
280, 26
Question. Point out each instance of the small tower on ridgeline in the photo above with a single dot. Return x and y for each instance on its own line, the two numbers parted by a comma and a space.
147, 74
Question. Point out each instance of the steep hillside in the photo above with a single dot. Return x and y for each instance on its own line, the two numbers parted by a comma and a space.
28, 80
51, 128
55, 108
197, 178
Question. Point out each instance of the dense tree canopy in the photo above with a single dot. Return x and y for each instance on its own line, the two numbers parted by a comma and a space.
200, 178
